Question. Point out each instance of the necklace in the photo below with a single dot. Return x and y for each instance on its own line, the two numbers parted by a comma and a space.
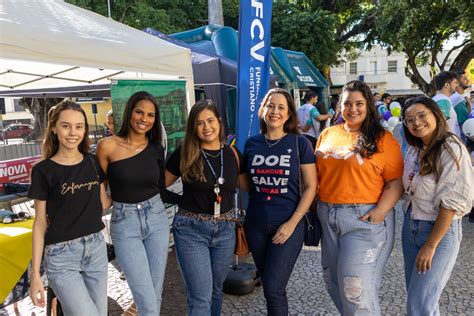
219, 180
210, 155
137, 149
270, 144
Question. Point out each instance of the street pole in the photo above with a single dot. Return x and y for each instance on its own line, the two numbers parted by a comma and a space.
1, 126
214, 12
108, 8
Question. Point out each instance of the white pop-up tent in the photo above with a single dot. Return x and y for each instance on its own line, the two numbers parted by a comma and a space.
50, 44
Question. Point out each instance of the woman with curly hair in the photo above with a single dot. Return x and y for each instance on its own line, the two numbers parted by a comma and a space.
359, 168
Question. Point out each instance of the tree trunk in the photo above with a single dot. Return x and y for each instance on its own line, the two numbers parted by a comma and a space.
411, 71
39, 108
215, 12
463, 58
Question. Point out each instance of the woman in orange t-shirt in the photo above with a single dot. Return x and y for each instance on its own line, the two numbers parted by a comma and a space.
359, 167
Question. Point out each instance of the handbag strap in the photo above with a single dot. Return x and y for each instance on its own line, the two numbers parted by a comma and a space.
299, 170
237, 159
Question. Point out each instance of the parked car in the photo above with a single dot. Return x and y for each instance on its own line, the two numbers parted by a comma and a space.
16, 131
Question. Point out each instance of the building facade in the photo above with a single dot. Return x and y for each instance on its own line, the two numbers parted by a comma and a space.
382, 72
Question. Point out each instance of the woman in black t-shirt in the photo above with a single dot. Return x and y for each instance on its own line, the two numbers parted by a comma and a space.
69, 195
203, 228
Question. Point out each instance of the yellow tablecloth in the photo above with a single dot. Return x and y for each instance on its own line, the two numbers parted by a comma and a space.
15, 254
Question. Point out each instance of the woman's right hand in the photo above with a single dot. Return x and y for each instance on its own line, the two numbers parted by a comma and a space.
37, 291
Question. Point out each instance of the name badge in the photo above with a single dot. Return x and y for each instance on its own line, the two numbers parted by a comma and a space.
217, 209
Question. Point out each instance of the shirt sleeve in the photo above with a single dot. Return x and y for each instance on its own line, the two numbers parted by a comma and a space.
445, 107
314, 113
172, 165
306, 151
454, 190
392, 157
39, 188
100, 172
461, 112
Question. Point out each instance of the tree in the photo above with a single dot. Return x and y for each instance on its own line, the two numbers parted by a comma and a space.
167, 16
419, 29
39, 108
311, 32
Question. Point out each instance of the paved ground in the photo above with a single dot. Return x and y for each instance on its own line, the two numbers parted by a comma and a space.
306, 291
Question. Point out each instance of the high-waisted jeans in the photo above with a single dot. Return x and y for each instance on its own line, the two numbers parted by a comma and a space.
140, 234
354, 253
77, 273
424, 290
204, 249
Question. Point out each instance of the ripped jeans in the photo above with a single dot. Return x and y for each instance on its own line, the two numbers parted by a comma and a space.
353, 256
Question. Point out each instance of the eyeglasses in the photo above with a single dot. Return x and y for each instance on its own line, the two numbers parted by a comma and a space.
421, 116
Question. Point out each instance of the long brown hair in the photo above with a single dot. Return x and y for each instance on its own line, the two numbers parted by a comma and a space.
191, 163
431, 156
371, 130
51, 142
291, 125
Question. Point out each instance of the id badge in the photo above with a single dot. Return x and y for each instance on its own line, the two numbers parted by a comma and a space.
217, 209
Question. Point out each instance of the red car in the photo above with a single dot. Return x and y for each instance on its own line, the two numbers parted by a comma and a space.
16, 131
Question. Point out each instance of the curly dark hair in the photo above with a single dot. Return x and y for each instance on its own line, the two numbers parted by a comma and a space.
371, 130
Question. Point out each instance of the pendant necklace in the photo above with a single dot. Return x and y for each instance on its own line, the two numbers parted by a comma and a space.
219, 181
270, 145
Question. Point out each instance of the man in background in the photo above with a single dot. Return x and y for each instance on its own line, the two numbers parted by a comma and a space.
446, 83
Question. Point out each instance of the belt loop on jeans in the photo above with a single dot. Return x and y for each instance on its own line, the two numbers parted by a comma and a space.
226, 217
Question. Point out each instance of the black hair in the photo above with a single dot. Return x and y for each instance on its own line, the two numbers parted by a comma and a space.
371, 131
443, 78
154, 134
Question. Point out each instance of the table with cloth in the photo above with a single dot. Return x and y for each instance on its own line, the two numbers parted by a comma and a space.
15, 254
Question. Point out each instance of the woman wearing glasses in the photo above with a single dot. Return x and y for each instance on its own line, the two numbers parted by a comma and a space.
359, 167
437, 179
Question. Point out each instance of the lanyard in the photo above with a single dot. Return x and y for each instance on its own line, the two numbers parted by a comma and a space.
220, 179
411, 175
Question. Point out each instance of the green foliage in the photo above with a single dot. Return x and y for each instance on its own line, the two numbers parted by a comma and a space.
311, 32
167, 16
419, 28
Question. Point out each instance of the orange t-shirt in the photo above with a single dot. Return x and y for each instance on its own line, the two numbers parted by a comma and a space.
345, 177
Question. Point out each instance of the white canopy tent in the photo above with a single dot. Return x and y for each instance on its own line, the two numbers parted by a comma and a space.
50, 44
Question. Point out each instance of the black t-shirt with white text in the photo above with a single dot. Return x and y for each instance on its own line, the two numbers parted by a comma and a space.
72, 195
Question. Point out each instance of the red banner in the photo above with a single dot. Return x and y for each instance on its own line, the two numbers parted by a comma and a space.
16, 170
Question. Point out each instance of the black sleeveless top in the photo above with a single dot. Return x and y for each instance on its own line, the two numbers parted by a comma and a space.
138, 178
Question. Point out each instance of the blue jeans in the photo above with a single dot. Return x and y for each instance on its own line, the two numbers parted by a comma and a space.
424, 290
353, 256
77, 273
274, 262
140, 234
204, 250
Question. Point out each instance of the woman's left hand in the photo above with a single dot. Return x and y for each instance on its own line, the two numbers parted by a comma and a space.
283, 233
424, 258
375, 216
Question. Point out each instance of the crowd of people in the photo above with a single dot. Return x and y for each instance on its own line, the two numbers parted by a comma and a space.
354, 170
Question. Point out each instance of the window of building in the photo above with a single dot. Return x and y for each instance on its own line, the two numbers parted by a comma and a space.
353, 68
373, 67
392, 66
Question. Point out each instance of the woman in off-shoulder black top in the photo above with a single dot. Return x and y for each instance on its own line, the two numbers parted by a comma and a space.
134, 161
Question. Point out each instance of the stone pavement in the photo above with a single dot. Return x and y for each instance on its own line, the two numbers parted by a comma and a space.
306, 292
